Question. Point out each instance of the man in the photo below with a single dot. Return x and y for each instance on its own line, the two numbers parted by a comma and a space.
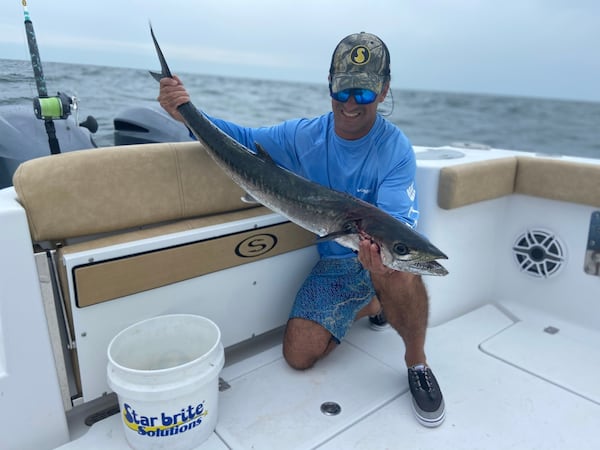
351, 149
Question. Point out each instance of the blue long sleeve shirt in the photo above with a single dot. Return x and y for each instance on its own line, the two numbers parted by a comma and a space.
379, 168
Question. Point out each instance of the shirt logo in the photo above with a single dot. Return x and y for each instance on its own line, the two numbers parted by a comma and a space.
413, 214
411, 192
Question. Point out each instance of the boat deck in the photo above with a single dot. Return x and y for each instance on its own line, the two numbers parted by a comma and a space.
499, 392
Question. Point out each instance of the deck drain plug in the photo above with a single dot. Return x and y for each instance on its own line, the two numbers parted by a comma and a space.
331, 408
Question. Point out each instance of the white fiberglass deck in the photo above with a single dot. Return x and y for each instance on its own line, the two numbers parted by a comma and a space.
491, 403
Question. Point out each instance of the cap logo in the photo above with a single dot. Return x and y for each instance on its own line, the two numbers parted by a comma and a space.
360, 55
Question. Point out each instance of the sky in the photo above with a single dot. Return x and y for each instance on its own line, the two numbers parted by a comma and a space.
532, 48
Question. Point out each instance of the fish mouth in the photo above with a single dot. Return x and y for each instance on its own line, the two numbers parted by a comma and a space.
424, 268
433, 268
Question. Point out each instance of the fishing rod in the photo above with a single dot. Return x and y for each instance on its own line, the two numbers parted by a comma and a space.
45, 108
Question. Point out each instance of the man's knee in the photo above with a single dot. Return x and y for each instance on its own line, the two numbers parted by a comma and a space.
298, 360
304, 343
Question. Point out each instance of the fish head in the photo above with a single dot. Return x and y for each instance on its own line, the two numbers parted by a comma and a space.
400, 256
403, 248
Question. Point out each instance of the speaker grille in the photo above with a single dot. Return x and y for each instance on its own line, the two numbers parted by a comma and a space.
539, 253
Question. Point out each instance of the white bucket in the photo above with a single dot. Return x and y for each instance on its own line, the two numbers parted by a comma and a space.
165, 371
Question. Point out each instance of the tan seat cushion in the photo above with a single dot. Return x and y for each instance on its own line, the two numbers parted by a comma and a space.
559, 180
554, 179
465, 184
107, 189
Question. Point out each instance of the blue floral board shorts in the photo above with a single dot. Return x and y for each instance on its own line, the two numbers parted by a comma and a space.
333, 293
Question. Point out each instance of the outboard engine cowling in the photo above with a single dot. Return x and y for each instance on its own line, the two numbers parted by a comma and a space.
24, 137
148, 124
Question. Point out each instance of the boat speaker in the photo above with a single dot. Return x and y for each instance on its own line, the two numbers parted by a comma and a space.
539, 253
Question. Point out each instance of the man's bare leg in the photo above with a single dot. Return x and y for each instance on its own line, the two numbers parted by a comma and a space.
305, 341
406, 306
404, 300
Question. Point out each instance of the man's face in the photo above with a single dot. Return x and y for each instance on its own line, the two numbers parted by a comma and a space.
352, 120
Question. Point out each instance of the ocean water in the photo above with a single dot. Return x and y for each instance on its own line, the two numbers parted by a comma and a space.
428, 118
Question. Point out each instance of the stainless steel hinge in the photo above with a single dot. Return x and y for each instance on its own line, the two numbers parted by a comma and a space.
592, 253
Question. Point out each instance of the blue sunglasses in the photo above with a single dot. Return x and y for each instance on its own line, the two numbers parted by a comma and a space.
361, 96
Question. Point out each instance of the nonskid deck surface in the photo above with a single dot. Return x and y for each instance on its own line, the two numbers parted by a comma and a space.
491, 404
551, 349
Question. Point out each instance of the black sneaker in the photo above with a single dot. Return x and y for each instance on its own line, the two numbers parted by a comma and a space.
378, 322
427, 399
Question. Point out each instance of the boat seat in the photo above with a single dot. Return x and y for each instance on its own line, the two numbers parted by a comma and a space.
465, 184
104, 190
97, 198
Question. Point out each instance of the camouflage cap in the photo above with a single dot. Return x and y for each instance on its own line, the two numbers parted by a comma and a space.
360, 60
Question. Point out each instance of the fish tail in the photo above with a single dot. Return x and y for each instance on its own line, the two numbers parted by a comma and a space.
165, 71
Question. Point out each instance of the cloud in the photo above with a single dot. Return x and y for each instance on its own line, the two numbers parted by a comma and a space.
531, 47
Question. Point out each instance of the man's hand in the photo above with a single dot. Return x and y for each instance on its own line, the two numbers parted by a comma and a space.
370, 258
172, 94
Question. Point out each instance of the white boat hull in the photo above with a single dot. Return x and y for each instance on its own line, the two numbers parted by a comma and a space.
512, 343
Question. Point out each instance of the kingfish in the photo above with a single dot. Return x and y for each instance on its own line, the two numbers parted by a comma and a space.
328, 213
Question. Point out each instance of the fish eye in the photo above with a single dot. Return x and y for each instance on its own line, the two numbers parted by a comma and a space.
350, 228
400, 248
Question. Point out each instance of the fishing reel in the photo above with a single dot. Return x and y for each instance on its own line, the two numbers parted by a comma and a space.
60, 107
54, 108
